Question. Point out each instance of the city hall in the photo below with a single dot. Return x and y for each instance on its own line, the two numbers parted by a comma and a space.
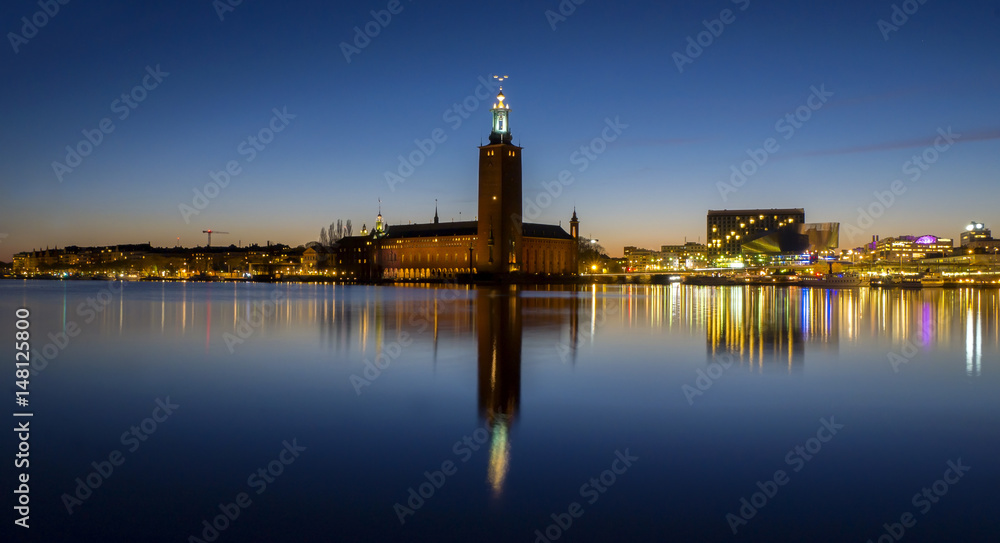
498, 244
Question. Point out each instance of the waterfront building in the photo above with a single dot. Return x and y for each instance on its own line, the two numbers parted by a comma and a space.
642, 260
793, 244
688, 256
496, 244
977, 239
975, 231
311, 259
729, 229
144, 260
911, 248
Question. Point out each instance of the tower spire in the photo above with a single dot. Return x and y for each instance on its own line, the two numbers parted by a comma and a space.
435, 211
501, 116
379, 227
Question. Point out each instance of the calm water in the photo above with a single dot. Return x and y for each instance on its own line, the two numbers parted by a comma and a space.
684, 400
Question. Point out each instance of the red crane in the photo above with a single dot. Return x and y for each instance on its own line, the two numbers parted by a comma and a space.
210, 232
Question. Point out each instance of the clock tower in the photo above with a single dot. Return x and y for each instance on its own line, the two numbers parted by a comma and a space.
498, 248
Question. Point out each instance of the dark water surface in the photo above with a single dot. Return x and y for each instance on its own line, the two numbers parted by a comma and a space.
654, 409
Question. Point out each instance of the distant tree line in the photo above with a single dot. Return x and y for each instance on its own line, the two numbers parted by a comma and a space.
329, 236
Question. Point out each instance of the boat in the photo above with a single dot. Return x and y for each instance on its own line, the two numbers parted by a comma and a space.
832, 280
890, 281
710, 280
969, 282
881, 281
758, 280
933, 280
786, 279
898, 281
777, 279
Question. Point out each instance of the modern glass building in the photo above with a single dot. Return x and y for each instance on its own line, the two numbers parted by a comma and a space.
729, 229
793, 244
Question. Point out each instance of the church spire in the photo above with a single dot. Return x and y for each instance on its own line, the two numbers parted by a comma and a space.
435, 211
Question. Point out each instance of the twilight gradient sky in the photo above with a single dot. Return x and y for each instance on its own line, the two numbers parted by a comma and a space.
652, 185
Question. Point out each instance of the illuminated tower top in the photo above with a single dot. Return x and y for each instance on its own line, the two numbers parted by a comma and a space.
501, 118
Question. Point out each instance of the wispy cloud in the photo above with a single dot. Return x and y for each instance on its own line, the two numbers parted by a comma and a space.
661, 142
980, 135
649, 142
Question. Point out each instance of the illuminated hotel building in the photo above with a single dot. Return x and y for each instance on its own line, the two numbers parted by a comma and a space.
728, 229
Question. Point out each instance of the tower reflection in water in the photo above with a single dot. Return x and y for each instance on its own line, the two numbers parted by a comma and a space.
498, 334
500, 325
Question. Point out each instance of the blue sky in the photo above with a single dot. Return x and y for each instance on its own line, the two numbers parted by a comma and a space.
651, 186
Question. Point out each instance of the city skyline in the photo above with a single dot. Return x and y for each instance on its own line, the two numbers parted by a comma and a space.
331, 120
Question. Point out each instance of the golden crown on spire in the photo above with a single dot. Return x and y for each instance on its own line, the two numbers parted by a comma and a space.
500, 97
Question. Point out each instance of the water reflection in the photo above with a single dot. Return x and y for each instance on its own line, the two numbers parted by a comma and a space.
558, 377
765, 327
502, 315
973, 342
599, 367
498, 338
